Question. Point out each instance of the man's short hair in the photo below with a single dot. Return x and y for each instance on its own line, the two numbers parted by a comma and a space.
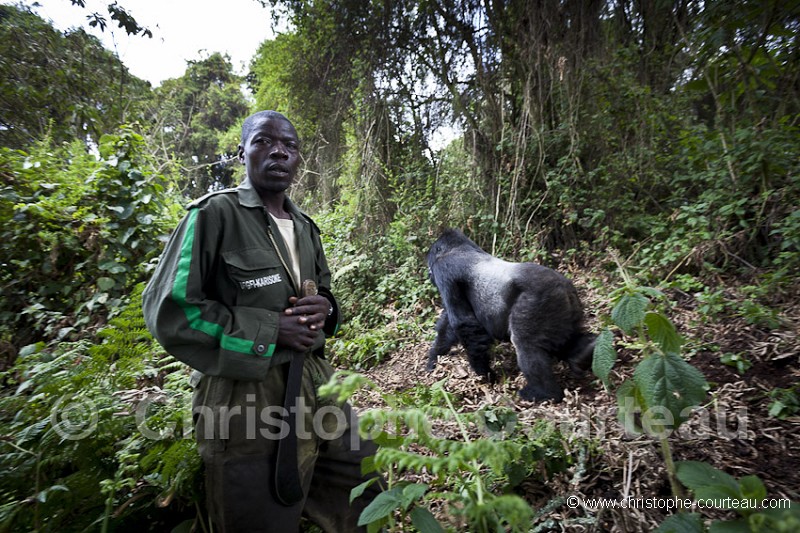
247, 125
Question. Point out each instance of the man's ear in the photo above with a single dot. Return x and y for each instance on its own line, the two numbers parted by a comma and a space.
240, 154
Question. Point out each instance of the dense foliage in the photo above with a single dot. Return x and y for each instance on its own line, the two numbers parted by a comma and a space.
583, 122
552, 131
63, 86
189, 117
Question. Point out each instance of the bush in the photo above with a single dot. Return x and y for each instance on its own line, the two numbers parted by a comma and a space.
77, 232
93, 434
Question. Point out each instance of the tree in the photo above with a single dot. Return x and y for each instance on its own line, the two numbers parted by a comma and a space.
545, 92
190, 115
62, 85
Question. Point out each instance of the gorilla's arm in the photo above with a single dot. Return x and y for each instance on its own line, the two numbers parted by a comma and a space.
446, 338
458, 323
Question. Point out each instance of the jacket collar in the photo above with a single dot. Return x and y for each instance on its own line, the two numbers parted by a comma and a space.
248, 197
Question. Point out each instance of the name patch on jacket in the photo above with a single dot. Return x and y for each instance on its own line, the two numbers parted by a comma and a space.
260, 282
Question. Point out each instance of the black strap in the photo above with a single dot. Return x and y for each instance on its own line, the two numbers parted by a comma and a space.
288, 487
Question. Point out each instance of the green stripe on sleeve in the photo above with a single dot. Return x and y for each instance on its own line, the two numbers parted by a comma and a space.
192, 312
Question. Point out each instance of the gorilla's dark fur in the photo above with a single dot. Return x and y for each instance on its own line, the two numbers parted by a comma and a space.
487, 299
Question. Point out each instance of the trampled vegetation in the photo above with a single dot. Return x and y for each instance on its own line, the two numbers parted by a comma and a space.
648, 150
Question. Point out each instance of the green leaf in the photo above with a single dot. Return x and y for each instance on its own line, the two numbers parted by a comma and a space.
412, 493
667, 381
25, 385
145, 218
629, 406
682, 523
697, 476
127, 234
752, 488
31, 349
368, 465
717, 496
42, 496
358, 490
382, 506
776, 409
424, 521
113, 267
733, 526
127, 211
787, 519
650, 291
629, 312
604, 356
123, 211
387, 440
662, 332
105, 284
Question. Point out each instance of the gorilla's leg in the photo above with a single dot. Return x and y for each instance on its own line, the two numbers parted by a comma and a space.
540, 322
445, 339
477, 342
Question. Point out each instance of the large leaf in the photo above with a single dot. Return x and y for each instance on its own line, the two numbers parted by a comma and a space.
412, 493
682, 523
105, 284
667, 381
604, 356
732, 526
382, 506
113, 267
662, 332
696, 475
720, 489
424, 521
629, 311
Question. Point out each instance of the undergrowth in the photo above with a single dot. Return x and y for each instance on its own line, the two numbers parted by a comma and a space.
451, 468
96, 436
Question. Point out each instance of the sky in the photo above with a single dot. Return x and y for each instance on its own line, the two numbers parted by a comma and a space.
181, 30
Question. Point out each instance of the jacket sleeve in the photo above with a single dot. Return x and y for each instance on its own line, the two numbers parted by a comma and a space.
334, 320
218, 340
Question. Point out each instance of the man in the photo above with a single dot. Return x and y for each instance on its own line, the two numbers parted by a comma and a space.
228, 299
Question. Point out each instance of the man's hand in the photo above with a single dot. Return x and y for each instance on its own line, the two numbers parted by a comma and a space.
313, 310
300, 325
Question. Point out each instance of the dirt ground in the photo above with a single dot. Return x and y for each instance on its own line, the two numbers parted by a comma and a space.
732, 431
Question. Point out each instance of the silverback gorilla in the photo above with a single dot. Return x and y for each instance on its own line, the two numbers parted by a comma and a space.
487, 299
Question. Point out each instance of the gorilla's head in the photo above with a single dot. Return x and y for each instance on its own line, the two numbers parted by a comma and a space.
451, 240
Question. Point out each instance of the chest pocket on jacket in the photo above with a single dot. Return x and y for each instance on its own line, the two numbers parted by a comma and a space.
259, 277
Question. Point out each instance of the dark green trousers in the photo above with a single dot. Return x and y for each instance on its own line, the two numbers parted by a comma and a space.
238, 426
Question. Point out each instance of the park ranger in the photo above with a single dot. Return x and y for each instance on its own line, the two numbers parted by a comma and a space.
242, 295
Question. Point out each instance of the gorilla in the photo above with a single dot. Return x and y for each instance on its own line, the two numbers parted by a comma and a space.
487, 299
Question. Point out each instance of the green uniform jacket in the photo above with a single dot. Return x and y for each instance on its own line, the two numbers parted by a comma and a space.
214, 300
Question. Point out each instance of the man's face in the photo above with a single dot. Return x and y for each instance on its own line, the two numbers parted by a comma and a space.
271, 154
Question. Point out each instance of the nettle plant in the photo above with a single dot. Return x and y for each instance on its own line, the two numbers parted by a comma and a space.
468, 471
659, 397
664, 388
